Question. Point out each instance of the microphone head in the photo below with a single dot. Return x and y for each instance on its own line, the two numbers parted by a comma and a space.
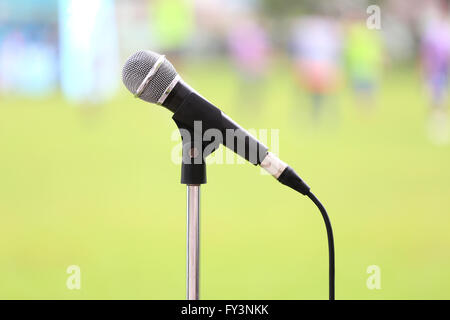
138, 67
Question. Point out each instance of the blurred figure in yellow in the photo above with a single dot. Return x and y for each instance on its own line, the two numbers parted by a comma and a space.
436, 70
173, 26
316, 51
363, 55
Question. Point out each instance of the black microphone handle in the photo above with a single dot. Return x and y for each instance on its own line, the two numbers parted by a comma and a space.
188, 107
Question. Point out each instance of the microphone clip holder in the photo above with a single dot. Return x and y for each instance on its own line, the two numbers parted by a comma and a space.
193, 166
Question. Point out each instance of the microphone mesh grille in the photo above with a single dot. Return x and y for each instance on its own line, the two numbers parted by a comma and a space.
136, 69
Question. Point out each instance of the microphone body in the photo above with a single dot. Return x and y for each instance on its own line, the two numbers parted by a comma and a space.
190, 107
152, 78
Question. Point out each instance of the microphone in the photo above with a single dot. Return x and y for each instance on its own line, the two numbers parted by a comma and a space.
152, 78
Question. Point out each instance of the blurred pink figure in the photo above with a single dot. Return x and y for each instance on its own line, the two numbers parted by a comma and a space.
436, 58
436, 69
249, 49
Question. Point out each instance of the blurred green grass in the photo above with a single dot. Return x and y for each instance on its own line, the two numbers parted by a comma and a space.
96, 187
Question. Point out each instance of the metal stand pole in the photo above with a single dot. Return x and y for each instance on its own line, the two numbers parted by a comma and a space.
193, 241
193, 174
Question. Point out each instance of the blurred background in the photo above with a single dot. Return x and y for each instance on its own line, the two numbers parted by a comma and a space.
87, 177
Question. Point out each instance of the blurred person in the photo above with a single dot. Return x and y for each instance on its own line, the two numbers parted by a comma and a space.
435, 55
12, 44
364, 56
134, 26
173, 26
212, 18
316, 52
248, 45
89, 53
28, 63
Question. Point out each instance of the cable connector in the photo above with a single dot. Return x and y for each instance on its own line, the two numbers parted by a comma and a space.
291, 179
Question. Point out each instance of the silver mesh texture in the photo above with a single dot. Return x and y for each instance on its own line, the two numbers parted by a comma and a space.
136, 69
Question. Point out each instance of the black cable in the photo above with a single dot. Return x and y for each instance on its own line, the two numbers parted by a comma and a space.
291, 179
327, 221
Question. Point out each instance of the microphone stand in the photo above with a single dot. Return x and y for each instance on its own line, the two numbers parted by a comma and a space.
193, 242
193, 174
